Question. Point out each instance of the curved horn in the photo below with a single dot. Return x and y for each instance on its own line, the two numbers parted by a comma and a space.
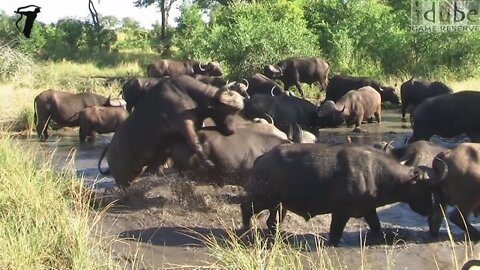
271, 91
269, 119
299, 133
228, 85
342, 110
290, 132
200, 67
246, 83
349, 139
444, 169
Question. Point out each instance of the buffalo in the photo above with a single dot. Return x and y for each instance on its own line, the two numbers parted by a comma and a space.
447, 116
63, 108
286, 111
249, 141
99, 119
420, 153
347, 180
355, 106
460, 186
215, 81
172, 68
260, 84
173, 109
294, 71
415, 90
339, 85
135, 89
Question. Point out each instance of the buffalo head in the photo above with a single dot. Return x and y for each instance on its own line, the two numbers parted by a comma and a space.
389, 94
241, 88
211, 69
329, 108
273, 72
226, 105
423, 181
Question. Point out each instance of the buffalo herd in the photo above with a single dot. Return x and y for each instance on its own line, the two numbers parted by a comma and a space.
256, 134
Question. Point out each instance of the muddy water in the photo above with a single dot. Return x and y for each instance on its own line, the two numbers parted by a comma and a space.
156, 217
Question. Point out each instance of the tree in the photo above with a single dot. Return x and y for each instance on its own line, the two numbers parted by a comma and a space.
165, 6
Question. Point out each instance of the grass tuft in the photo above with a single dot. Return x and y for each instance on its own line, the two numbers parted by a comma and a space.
44, 215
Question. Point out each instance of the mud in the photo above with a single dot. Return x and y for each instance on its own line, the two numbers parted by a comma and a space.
161, 219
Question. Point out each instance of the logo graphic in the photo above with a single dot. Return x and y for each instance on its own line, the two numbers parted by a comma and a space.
30, 18
445, 15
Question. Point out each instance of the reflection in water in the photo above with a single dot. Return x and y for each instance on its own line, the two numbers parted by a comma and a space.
86, 155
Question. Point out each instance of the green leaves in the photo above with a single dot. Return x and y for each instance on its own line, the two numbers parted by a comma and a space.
246, 36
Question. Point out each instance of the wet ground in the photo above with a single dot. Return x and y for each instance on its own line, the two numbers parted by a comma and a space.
159, 213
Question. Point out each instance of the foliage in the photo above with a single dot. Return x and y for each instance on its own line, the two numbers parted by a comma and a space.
44, 215
374, 38
237, 35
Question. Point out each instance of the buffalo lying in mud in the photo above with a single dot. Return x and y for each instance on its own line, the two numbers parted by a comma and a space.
233, 155
339, 85
63, 108
460, 187
415, 90
448, 116
99, 119
172, 68
287, 111
259, 84
347, 180
355, 106
173, 108
215, 81
295, 71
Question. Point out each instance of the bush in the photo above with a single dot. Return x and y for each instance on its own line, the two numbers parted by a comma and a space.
14, 64
246, 36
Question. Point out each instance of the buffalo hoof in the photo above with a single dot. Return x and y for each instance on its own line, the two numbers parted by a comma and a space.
404, 119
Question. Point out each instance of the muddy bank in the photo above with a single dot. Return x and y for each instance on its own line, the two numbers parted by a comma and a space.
162, 218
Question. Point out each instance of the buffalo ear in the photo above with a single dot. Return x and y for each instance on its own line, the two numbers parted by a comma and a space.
231, 99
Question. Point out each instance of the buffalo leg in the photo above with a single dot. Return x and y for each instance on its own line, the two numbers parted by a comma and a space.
404, 110
272, 223
42, 126
339, 220
436, 218
300, 88
378, 115
456, 218
250, 208
194, 143
373, 221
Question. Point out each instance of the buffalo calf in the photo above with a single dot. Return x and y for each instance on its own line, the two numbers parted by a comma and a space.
98, 119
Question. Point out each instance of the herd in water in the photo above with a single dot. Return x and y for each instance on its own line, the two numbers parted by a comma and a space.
255, 133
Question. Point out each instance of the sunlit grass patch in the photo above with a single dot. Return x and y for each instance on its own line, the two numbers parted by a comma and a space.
45, 219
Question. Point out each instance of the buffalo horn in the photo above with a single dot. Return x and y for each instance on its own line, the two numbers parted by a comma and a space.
200, 67
349, 140
299, 133
269, 119
247, 84
444, 171
271, 91
342, 110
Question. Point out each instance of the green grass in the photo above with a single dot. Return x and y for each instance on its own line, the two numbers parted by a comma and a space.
45, 218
